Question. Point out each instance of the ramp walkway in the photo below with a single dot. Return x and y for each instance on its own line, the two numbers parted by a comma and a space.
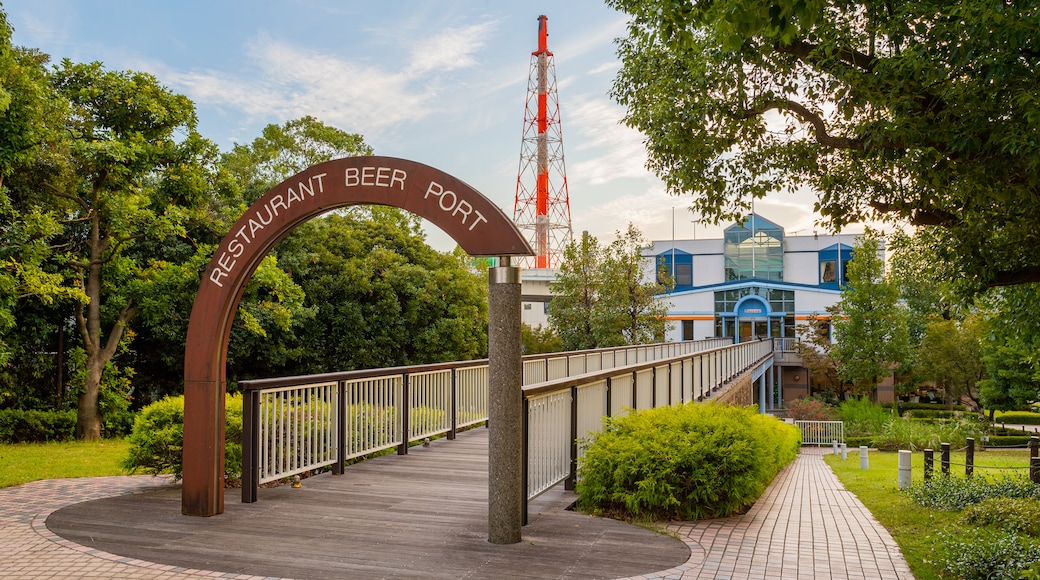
423, 515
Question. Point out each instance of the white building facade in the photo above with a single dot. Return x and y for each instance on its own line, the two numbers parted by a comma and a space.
753, 283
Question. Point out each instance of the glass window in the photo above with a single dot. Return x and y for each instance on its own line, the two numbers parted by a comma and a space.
754, 250
684, 274
687, 330
828, 271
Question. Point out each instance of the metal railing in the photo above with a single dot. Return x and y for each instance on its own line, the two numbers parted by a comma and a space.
296, 424
821, 432
560, 414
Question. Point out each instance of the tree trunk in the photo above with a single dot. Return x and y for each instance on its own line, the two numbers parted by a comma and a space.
88, 415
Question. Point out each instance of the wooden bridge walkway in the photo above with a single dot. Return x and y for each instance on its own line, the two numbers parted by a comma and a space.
421, 515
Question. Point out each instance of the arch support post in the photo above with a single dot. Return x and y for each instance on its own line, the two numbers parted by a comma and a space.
505, 406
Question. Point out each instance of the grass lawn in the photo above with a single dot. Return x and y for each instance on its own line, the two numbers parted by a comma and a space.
25, 462
915, 528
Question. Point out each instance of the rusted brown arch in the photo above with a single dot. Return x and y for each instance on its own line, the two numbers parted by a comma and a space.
472, 220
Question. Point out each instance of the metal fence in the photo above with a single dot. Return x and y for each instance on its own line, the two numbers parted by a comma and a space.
561, 414
297, 424
821, 432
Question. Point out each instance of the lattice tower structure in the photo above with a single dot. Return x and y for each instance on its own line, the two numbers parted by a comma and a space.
543, 209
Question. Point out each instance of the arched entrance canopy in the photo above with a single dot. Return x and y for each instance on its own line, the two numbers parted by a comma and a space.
472, 220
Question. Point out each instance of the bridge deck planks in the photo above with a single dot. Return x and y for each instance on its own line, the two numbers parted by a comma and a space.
423, 515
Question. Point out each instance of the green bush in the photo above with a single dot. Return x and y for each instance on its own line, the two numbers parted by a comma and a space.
935, 414
157, 440
810, 409
1019, 515
955, 494
17, 426
863, 417
915, 434
976, 554
857, 441
1017, 418
684, 462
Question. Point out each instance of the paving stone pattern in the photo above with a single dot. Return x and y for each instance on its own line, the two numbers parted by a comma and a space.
806, 526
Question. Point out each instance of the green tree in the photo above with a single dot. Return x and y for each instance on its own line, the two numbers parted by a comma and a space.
576, 294
814, 348
381, 295
909, 110
870, 324
950, 355
601, 297
1011, 350
127, 166
630, 311
539, 339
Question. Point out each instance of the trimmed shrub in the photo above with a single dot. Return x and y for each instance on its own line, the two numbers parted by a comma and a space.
17, 426
1016, 418
157, 440
934, 414
684, 462
1019, 515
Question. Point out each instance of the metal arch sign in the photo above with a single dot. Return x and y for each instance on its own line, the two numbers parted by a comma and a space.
471, 219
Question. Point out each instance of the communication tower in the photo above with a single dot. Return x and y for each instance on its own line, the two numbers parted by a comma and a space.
543, 209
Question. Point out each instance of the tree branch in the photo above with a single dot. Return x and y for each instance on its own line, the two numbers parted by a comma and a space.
803, 50
1023, 275
79, 201
822, 137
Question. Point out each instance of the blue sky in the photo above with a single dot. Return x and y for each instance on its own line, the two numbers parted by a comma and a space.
442, 83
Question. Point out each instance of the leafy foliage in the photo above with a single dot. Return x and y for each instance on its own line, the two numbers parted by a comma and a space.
686, 462
955, 494
539, 340
1012, 349
601, 298
18, 426
157, 441
925, 434
870, 325
987, 555
1019, 515
919, 111
810, 409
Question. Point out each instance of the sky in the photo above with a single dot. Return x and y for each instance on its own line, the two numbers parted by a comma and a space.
439, 82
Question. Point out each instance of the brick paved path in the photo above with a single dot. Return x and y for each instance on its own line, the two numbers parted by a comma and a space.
806, 526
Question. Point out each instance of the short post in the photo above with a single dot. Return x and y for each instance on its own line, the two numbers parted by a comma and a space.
969, 458
864, 461
1034, 460
929, 463
944, 458
844, 452
904, 469
834, 443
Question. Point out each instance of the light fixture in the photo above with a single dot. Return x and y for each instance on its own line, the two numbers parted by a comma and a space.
796, 377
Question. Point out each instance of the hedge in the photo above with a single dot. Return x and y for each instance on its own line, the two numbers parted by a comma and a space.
1017, 418
683, 462
17, 426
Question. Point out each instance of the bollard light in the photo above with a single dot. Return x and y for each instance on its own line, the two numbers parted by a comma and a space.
904, 469
844, 452
864, 461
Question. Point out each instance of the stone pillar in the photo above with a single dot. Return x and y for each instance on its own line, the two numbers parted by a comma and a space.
505, 406
762, 394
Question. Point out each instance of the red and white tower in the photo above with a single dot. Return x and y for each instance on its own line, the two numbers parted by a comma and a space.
543, 208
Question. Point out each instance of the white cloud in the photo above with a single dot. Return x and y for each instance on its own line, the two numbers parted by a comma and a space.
609, 150
450, 50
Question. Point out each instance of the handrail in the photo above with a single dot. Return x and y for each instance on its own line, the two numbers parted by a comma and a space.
562, 412
300, 423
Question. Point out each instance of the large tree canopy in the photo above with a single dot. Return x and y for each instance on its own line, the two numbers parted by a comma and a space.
919, 111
